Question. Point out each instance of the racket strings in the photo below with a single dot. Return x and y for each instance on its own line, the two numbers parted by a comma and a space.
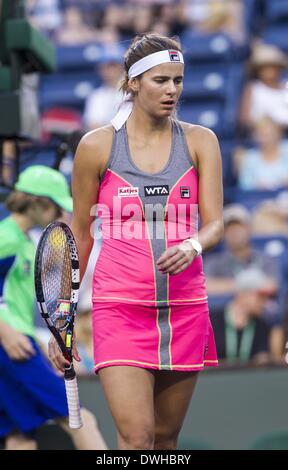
56, 278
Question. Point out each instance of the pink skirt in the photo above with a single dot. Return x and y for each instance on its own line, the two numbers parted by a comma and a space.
179, 337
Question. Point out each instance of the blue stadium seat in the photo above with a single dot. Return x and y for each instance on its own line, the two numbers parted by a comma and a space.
218, 116
85, 57
3, 211
81, 57
277, 11
70, 89
37, 156
205, 81
277, 35
251, 199
207, 114
284, 277
227, 148
272, 245
218, 86
216, 47
218, 302
253, 11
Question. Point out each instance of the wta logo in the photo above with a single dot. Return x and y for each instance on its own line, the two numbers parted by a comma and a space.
156, 190
174, 56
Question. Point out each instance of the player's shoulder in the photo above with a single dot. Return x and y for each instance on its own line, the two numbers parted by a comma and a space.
97, 139
198, 132
94, 148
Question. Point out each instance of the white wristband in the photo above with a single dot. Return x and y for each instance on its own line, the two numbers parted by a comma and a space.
195, 245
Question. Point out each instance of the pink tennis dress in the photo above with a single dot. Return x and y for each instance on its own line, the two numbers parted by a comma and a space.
142, 317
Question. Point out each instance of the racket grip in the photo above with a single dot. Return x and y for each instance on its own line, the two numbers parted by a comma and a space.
75, 420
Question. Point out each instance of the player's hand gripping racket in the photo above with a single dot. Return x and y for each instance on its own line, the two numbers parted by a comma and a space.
57, 286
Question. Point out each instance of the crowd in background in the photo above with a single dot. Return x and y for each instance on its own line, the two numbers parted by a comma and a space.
72, 22
245, 277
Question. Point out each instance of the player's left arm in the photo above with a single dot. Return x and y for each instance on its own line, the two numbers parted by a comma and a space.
203, 145
210, 191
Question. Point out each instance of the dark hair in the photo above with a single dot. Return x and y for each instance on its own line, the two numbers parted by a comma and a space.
144, 45
21, 202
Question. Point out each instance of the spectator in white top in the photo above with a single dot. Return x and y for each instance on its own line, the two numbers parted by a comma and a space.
102, 104
266, 94
264, 166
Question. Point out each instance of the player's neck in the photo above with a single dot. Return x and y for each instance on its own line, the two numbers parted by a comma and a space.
141, 122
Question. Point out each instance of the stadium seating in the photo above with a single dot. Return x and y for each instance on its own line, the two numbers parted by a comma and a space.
277, 35
227, 147
67, 89
251, 198
209, 114
277, 11
38, 155
273, 245
3, 211
84, 57
209, 48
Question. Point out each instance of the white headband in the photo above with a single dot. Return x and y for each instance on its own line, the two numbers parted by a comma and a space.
136, 69
154, 59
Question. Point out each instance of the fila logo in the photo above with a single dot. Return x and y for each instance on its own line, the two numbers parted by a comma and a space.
174, 56
185, 192
156, 190
128, 192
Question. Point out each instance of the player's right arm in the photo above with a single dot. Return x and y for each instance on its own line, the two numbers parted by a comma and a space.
90, 160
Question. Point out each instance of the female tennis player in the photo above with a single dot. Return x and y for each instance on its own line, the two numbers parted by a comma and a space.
31, 393
150, 175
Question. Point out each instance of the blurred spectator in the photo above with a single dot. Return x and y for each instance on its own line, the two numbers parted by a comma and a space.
241, 334
143, 18
44, 15
152, 2
163, 17
266, 165
103, 103
270, 217
74, 30
107, 35
174, 16
218, 16
265, 93
238, 254
31, 392
7, 169
160, 27
119, 18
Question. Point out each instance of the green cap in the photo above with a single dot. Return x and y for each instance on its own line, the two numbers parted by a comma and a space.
41, 180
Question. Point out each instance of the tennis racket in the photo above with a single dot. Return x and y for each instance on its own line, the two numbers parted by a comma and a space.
57, 286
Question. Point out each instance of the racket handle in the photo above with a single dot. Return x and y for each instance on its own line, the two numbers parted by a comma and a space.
75, 420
